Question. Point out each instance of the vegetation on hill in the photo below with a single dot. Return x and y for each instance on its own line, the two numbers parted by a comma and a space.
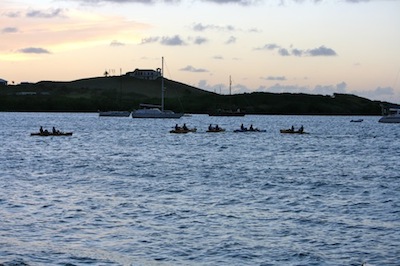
126, 93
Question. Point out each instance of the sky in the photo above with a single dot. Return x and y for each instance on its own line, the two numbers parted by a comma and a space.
296, 46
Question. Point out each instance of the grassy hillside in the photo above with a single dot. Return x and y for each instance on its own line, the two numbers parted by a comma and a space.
126, 93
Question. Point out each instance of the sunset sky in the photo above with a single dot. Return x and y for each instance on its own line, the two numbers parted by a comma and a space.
310, 46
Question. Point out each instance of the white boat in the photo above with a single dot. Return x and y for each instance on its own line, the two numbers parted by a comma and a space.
392, 116
115, 113
156, 111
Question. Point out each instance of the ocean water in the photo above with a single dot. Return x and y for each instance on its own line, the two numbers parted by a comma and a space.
122, 191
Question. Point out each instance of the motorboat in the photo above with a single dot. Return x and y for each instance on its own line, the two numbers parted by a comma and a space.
156, 111
391, 116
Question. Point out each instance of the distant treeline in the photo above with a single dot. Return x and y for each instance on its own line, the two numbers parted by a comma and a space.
126, 93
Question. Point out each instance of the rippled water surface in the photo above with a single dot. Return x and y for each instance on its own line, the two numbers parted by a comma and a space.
122, 191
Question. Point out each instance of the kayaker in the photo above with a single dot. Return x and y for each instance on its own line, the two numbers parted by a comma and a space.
41, 130
210, 127
177, 127
301, 129
251, 127
185, 127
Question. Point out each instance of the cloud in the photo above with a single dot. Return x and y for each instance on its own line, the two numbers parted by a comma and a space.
319, 51
165, 40
193, 69
50, 13
9, 30
150, 2
116, 43
268, 46
201, 27
282, 2
356, 1
330, 89
297, 52
172, 41
222, 88
227, 28
34, 50
281, 78
239, 2
378, 93
145, 2
231, 40
218, 57
284, 52
150, 40
12, 14
200, 40
219, 2
318, 89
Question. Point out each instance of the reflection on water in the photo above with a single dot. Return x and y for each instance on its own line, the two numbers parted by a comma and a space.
127, 192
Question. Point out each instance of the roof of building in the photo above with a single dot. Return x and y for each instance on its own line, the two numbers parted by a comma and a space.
3, 80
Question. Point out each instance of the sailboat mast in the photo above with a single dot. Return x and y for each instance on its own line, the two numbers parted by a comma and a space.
230, 85
162, 84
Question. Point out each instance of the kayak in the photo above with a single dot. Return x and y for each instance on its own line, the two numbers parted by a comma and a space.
48, 134
248, 130
183, 131
214, 130
289, 131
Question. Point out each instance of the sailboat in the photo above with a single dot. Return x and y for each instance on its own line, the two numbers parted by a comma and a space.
156, 111
116, 113
221, 112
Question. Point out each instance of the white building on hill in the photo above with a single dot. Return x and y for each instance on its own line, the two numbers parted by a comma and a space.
149, 74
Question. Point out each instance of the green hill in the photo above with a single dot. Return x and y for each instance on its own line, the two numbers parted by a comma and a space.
126, 93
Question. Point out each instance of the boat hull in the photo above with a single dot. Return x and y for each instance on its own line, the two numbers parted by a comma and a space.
389, 120
52, 134
215, 130
115, 113
289, 131
155, 113
248, 131
157, 116
183, 131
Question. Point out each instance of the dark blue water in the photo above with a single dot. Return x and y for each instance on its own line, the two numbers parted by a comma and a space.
127, 192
